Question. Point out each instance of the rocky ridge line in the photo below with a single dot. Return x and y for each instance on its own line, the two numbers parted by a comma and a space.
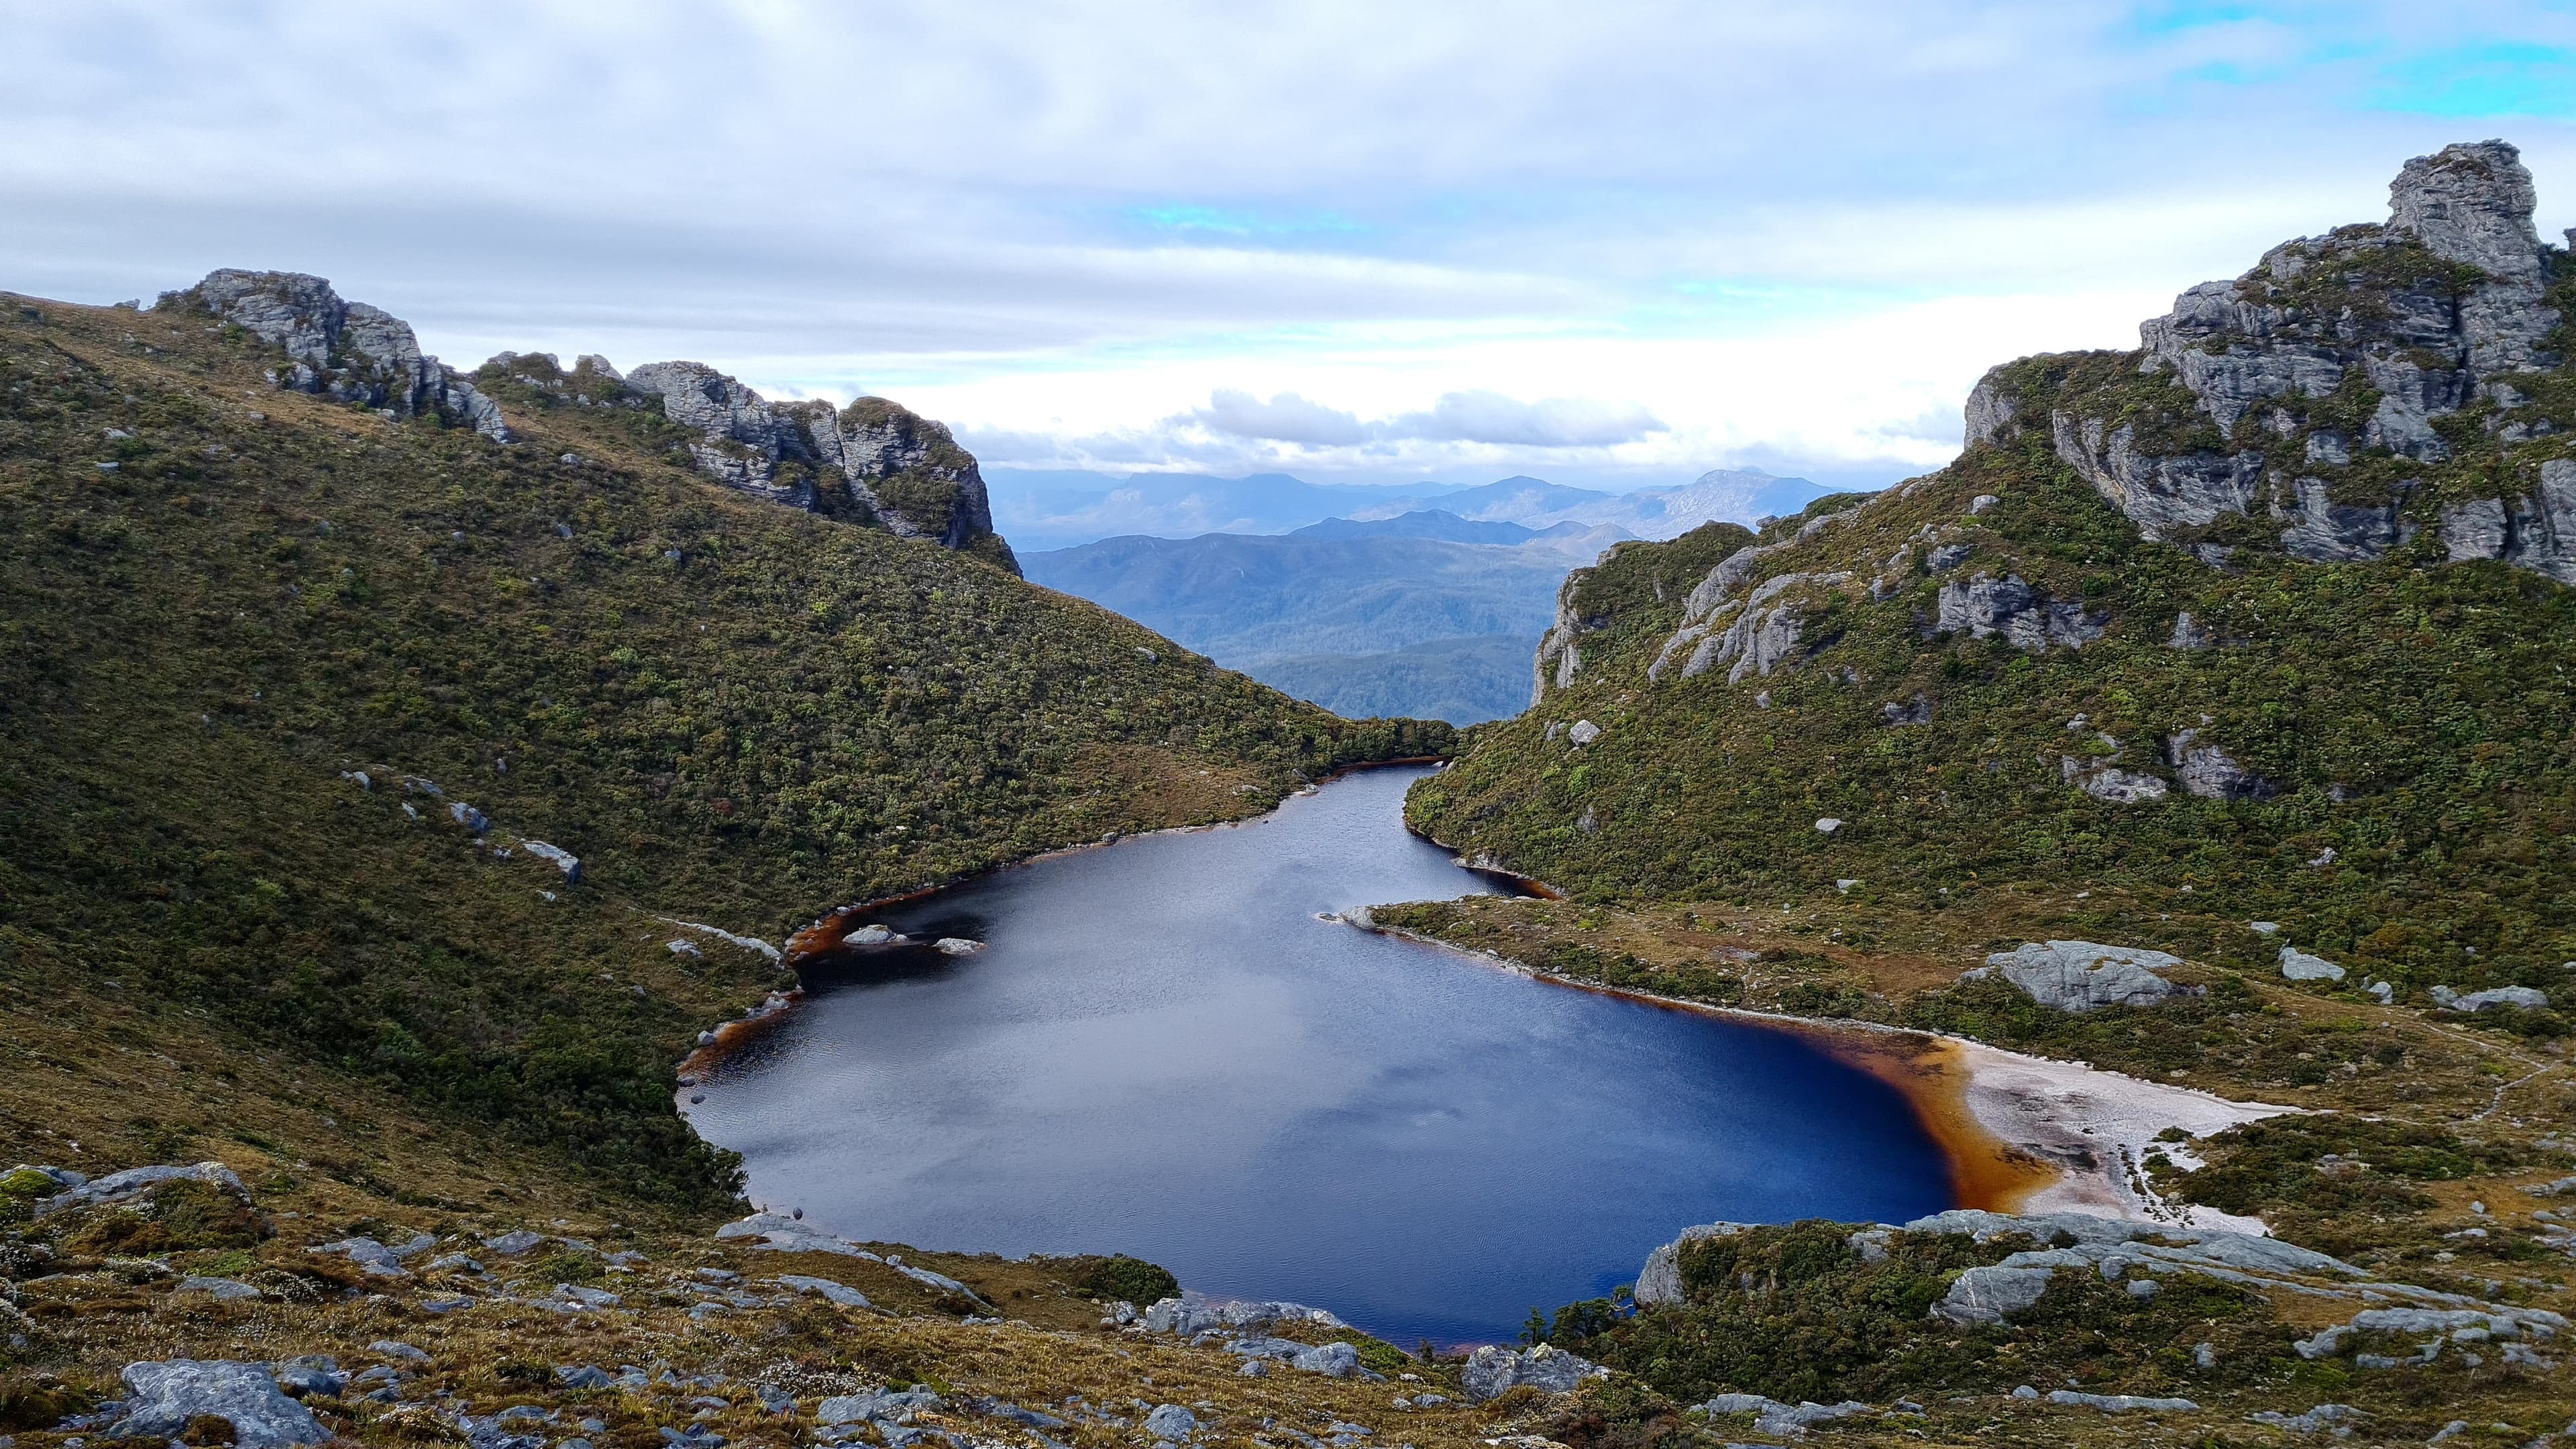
347, 351
874, 458
2403, 344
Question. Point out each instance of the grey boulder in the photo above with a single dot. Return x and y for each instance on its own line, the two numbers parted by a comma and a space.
2080, 976
825, 1289
160, 1399
1332, 1360
222, 1289
313, 1373
1171, 1421
2526, 997
1992, 1294
135, 1182
2122, 1403
1495, 1370
2298, 965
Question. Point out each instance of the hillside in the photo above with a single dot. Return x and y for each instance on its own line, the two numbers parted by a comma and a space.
323, 666
2233, 670
1462, 681
1364, 598
2271, 613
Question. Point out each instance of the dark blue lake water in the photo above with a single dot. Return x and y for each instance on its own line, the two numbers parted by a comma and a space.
1162, 1052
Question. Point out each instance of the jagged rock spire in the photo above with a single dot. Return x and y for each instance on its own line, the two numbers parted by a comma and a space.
2471, 203
2294, 385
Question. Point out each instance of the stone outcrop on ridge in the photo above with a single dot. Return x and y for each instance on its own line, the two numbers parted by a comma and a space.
874, 457
344, 350
873, 460
2314, 390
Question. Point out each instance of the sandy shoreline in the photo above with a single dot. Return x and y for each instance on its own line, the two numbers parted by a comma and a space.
2022, 1133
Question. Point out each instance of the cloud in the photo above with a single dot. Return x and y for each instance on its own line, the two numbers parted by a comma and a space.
1286, 418
1557, 422
1457, 417
1065, 226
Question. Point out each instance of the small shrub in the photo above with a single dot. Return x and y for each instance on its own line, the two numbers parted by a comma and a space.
1132, 1280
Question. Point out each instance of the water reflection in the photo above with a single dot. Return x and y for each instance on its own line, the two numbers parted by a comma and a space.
1162, 1051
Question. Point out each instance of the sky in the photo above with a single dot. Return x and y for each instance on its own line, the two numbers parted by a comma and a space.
1613, 243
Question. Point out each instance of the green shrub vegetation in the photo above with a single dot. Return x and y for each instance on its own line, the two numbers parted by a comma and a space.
1796, 1312
219, 602
2413, 717
1121, 1278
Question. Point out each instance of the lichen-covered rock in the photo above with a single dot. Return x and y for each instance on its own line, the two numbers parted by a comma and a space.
2079, 976
2298, 965
160, 1399
875, 458
2211, 773
1494, 1370
1983, 606
348, 351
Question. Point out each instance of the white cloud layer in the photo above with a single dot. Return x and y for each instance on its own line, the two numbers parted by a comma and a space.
1627, 239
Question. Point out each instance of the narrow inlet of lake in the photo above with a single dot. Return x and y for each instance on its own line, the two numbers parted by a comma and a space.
1163, 1052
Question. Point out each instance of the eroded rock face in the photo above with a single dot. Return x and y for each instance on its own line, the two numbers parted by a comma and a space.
2211, 773
896, 468
2536, 531
2334, 352
348, 351
2032, 621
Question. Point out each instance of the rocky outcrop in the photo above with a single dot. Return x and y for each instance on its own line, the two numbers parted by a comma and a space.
1192, 1314
2210, 772
2529, 998
132, 1184
1781, 1421
2080, 976
1560, 649
2028, 619
2316, 528
1768, 639
872, 458
2252, 397
1494, 1370
743, 440
1763, 636
347, 351
1660, 1280
2535, 531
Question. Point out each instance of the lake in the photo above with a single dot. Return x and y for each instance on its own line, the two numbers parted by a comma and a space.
1162, 1051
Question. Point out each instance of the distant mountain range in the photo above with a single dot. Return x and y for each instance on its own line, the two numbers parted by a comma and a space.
1425, 614
1062, 509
